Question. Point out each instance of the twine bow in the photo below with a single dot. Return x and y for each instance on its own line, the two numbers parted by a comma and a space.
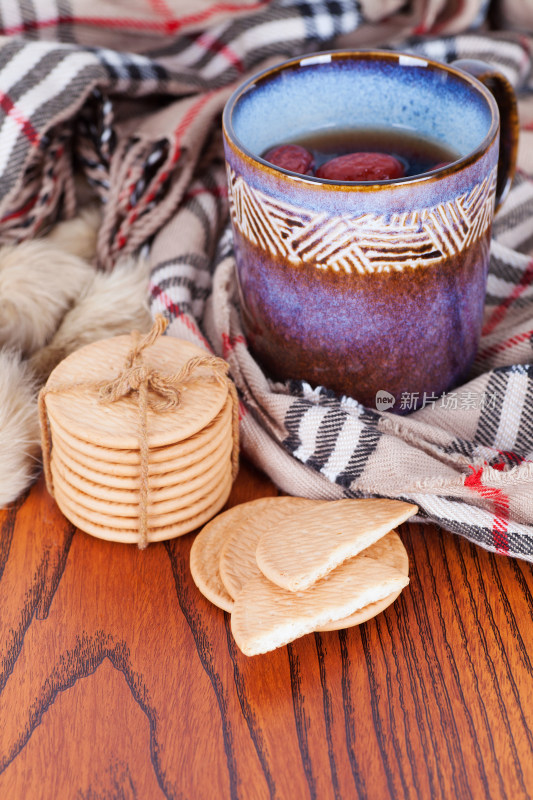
136, 377
154, 391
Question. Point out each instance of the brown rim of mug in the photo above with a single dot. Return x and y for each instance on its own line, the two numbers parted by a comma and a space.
456, 166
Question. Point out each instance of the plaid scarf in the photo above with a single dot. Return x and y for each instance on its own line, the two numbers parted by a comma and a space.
133, 103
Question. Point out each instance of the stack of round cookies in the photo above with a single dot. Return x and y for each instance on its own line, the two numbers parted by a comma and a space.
139, 468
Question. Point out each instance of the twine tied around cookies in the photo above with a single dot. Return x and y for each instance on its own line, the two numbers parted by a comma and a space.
154, 391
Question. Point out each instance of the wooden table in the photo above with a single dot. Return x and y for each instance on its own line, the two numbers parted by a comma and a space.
119, 680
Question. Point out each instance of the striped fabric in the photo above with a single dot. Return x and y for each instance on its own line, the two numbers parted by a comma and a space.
131, 102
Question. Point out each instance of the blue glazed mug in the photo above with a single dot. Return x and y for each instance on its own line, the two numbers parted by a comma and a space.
370, 288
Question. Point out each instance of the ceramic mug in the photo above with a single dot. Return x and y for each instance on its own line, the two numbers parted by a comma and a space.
368, 288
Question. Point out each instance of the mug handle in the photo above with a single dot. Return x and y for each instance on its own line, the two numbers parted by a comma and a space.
505, 97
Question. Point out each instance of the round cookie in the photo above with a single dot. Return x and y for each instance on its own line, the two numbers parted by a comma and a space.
131, 536
116, 425
363, 615
125, 462
201, 474
175, 471
388, 550
124, 516
205, 557
208, 544
237, 557
266, 616
305, 548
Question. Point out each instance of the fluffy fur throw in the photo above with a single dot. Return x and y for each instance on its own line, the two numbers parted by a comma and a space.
53, 301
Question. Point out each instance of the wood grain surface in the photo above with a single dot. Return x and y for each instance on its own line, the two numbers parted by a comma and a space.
118, 679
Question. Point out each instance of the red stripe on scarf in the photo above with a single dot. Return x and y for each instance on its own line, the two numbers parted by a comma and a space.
500, 503
24, 124
499, 347
187, 119
20, 212
214, 45
509, 455
500, 311
167, 26
177, 313
229, 342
